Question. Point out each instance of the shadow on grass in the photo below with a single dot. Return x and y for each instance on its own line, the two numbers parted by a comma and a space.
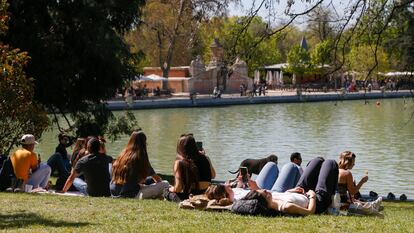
24, 220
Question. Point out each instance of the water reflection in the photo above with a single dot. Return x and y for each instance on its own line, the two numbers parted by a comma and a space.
379, 135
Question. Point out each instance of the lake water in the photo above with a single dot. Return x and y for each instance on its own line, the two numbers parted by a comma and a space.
381, 136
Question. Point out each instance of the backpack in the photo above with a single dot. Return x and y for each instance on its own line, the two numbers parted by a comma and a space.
253, 207
6, 174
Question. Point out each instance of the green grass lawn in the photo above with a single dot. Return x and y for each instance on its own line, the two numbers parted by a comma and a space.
49, 213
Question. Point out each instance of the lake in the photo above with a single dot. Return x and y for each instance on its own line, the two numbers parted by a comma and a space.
381, 136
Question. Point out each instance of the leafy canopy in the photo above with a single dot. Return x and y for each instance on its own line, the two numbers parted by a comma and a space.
19, 113
78, 56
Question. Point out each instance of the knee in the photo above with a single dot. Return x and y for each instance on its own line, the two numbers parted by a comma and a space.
290, 168
317, 160
270, 165
165, 184
332, 164
46, 168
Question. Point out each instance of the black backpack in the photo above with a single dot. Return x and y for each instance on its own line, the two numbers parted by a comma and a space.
6, 174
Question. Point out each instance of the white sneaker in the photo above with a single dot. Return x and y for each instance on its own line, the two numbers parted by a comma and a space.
377, 203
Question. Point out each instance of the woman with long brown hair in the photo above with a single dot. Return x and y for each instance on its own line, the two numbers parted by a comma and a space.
132, 167
78, 148
192, 170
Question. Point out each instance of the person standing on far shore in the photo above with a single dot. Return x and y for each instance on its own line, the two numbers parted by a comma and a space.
254, 89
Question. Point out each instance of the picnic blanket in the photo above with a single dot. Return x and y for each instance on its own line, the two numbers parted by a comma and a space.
201, 202
53, 192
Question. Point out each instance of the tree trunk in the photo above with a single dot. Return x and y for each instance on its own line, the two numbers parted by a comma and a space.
166, 64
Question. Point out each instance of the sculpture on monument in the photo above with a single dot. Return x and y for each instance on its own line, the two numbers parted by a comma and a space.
197, 67
217, 74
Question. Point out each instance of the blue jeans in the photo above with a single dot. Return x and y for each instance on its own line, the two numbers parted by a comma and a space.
288, 178
40, 177
269, 177
81, 186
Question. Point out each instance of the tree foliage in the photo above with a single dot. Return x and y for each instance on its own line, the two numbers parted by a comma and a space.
76, 48
228, 32
170, 39
78, 56
299, 62
321, 54
361, 59
319, 26
348, 22
399, 39
19, 113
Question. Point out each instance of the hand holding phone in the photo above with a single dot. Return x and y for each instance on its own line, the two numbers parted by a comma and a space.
199, 146
243, 173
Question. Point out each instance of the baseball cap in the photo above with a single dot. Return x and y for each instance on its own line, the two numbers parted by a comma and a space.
28, 139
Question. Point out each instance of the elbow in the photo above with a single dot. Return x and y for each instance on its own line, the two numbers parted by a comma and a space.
213, 175
353, 191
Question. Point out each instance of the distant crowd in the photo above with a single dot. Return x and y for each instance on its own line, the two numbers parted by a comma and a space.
90, 171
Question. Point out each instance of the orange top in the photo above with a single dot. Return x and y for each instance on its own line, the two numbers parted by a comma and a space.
23, 160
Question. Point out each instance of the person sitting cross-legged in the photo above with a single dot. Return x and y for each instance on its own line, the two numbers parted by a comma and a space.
59, 162
94, 168
193, 171
27, 168
132, 173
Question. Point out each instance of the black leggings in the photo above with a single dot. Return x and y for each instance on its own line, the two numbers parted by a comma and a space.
321, 176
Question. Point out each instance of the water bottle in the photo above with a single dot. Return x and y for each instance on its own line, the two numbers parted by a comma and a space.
335, 205
337, 201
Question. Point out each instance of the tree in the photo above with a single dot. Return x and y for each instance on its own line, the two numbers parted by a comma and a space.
227, 30
19, 113
177, 26
399, 42
160, 30
285, 39
355, 20
362, 59
321, 55
319, 25
78, 56
299, 63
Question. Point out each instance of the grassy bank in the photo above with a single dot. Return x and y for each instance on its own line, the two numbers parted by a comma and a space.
49, 213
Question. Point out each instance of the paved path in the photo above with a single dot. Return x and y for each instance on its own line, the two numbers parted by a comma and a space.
180, 100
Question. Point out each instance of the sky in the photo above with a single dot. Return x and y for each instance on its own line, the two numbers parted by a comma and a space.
278, 10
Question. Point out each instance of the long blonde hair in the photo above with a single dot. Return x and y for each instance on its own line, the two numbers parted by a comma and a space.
346, 159
132, 163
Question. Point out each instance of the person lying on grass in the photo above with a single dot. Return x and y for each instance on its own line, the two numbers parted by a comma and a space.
312, 195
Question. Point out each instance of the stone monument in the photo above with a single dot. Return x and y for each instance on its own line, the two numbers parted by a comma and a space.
239, 76
217, 74
197, 67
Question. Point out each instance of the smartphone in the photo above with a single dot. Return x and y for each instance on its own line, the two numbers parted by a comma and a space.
199, 146
243, 173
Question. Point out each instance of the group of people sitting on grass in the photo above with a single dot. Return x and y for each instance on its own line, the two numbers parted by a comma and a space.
91, 172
